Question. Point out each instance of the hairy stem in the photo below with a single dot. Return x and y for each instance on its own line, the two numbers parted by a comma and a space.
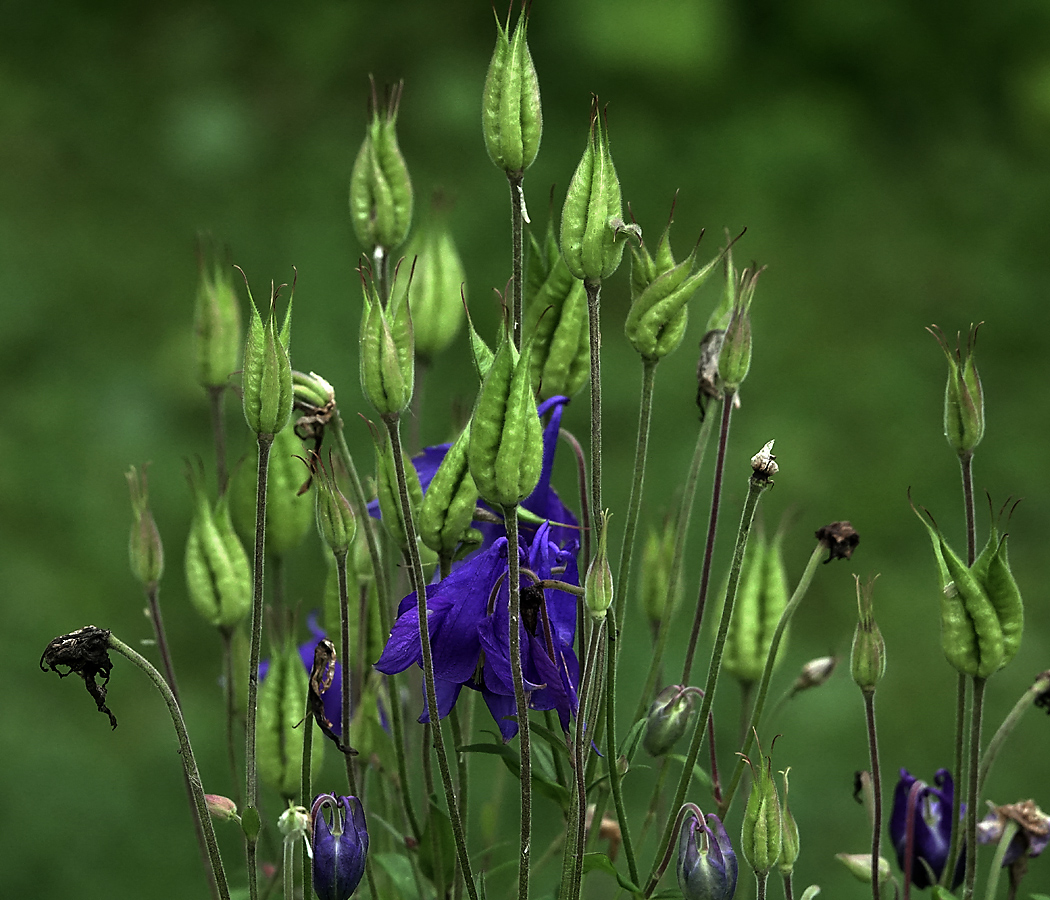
876, 786
1041, 685
973, 791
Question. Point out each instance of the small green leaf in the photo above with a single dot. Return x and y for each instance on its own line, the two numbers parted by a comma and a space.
437, 850
602, 862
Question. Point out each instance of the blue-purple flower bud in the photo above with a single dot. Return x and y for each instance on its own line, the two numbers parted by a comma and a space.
339, 840
707, 866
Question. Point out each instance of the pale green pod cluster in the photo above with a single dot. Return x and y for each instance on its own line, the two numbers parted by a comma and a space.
447, 511
505, 453
216, 320
279, 735
982, 613
761, 598
556, 320
387, 347
380, 187
593, 231
511, 117
289, 514
438, 289
267, 377
218, 574
761, 837
660, 294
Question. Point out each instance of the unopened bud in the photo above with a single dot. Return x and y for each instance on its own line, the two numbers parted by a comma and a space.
216, 319
815, 673
868, 657
145, 550
598, 586
222, 809
761, 838
267, 375
790, 848
668, 718
335, 518
963, 396
859, 865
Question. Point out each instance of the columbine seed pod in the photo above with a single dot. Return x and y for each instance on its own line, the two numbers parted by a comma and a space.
868, 657
438, 289
982, 614
335, 519
279, 741
761, 838
660, 293
556, 320
668, 718
380, 188
448, 505
598, 585
506, 438
761, 598
511, 118
267, 375
734, 359
389, 496
145, 550
216, 319
790, 848
387, 354
592, 227
218, 575
655, 575
963, 396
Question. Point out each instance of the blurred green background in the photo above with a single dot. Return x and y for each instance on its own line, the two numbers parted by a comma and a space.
889, 160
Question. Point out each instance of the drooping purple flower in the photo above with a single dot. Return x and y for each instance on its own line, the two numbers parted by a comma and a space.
707, 865
1031, 837
339, 841
468, 619
931, 814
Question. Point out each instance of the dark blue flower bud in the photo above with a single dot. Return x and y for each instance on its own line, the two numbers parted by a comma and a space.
707, 866
339, 848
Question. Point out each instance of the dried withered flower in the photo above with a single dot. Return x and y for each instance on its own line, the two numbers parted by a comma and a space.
85, 653
840, 538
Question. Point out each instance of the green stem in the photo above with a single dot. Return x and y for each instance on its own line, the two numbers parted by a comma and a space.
611, 756
789, 891
756, 487
594, 291
250, 818
189, 763
305, 799
419, 580
1009, 830
289, 869
634, 507
760, 880
1041, 685
510, 519
517, 252
685, 514
767, 673
955, 845
712, 526
230, 696
876, 785
973, 793
344, 658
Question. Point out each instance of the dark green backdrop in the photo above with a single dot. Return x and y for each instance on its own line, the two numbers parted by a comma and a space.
889, 160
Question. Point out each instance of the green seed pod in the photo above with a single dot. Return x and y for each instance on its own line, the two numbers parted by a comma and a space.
448, 505
389, 496
598, 585
992, 568
335, 519
438, 289
556, 319
145, 550
267, 375
963, 397
387, 355
380, 188
218, 575
761, 838
790, 849
668, 718
479, 350
511, 118
279, 740
592, 227
660, 293
868, 657
216, 319
734, 359
289, 514
972, 635
761, 597
655, 575
506, 438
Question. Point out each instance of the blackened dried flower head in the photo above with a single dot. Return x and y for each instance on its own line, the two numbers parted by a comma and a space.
840, 538
1042, 700
85, 653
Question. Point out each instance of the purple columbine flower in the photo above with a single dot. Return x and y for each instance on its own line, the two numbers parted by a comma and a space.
338, 846
707, 866
931, 815
467, 617
1031, 837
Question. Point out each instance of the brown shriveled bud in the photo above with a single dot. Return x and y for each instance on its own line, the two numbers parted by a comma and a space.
840, 538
